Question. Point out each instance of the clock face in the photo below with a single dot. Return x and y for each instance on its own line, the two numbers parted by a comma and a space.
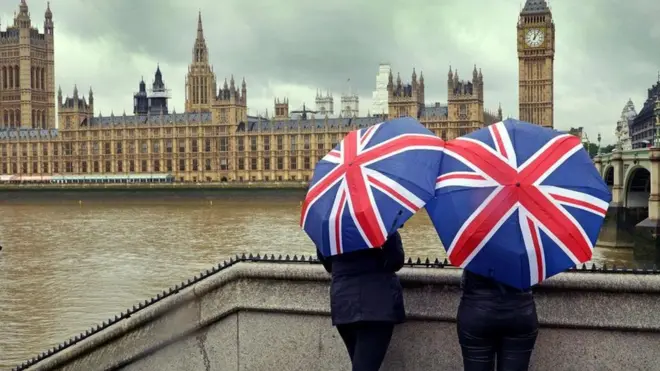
534, 37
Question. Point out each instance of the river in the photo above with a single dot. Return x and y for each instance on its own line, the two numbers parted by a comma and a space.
72, 260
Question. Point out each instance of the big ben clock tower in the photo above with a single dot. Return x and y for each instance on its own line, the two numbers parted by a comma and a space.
536, 54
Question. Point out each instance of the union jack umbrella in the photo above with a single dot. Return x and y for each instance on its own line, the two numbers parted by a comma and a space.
370, 184
518, 203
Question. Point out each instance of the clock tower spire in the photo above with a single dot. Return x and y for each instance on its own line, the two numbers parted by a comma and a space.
536, 55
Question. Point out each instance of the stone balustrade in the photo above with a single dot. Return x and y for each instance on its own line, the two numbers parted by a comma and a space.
275, 316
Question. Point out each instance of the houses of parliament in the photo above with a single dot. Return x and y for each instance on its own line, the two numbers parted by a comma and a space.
215, 140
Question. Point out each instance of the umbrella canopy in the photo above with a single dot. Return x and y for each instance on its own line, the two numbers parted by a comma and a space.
518, 202
370, 184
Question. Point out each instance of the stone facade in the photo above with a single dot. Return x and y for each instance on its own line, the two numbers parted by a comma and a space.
622, 133
27, 73
536, 55
643, 126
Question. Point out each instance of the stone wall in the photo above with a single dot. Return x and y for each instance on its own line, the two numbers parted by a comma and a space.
274, 316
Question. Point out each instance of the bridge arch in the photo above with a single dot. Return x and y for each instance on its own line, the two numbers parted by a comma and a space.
608, 176
637, 187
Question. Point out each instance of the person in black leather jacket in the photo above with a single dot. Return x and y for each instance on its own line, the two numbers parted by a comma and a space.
366, 300
496, 324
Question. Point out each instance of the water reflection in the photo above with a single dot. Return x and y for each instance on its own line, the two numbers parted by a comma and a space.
67, 266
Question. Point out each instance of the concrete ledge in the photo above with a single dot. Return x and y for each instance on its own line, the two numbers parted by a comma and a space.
270, 316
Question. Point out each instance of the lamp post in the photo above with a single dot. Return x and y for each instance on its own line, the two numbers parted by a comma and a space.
599, 150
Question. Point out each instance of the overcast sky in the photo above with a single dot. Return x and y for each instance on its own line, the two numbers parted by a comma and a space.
606, 50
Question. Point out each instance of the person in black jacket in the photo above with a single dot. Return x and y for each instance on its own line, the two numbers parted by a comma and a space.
366, 300
496, 324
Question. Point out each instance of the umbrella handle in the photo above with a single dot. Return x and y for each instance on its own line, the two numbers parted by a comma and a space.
395, 221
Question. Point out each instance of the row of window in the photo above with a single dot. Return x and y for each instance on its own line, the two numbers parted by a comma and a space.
154, 146
268, 164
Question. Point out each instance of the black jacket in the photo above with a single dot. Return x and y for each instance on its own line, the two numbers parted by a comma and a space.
365, 286
492, 294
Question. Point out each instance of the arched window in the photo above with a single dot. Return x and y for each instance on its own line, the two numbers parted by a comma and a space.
43, 79
10, 73
17, 77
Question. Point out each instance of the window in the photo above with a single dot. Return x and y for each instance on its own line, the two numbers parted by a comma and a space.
169, 165
120, 166
320, 141
306, 163
224, 144
108, 167
306, 141
280, 142
84, 167
266, 143
207, 165
266, 163
207, 145
241, 164
253, 143
155, 146
119, 148
144, 148
168, 146
292, 141
280, 163
293, 165
195, 149
156, 165
106, 148
241, 144
253, 164
96, 167
182, 165
182, 145
144, 167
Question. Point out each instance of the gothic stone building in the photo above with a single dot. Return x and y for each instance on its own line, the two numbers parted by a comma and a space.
642, 128
215, 139
27, 73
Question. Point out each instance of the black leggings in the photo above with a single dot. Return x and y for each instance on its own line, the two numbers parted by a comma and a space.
486, 333
367, 343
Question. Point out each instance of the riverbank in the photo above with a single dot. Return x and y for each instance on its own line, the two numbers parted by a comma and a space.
12, 193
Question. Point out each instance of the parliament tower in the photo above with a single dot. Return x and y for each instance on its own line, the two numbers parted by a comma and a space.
27, 72
536, 54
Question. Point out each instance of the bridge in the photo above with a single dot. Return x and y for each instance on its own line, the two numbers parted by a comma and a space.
633, 218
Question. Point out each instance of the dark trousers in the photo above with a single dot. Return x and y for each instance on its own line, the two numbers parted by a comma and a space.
490, 335
367, 343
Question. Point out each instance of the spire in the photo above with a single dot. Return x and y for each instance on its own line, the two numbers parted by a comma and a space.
49, 14
450, 74
200, 52
535, 7
200, 28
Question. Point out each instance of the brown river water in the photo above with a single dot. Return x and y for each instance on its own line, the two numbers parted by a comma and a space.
72, 260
